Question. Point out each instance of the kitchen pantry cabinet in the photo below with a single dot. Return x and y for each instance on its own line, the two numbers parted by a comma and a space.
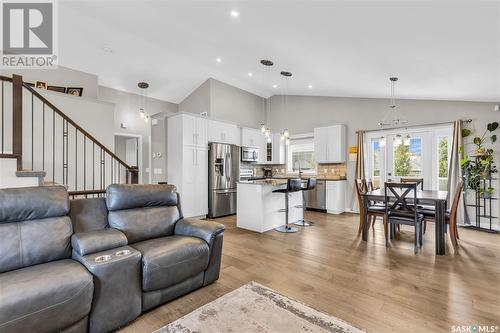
222, 132
187, 160
330, 144
252, 138
335, 196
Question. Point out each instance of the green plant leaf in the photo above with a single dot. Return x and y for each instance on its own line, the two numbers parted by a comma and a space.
492, 126
465, 132
493, 138
477, 140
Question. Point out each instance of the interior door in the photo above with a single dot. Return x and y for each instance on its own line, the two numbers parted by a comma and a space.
131, 151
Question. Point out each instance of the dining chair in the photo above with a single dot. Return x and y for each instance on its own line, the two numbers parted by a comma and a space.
374, 210
451, 217
400, 211
418, 181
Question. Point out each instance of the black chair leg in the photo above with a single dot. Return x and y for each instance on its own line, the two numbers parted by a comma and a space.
415, 239
387, 235
421, 235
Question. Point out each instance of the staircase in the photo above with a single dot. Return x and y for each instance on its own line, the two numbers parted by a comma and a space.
46, 147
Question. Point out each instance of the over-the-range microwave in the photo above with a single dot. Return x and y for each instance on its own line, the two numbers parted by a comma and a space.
249, 154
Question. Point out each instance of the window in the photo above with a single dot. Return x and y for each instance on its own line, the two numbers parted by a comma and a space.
300, 153
442, 163
376, 160
408, 158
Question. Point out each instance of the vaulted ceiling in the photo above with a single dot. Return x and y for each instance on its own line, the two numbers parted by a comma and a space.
438, 49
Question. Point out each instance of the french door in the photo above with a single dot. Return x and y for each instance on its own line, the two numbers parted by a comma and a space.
418, 153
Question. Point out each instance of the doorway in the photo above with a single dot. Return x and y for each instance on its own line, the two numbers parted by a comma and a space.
413, 153
128, 148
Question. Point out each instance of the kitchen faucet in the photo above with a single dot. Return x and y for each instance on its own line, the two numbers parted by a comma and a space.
300, 170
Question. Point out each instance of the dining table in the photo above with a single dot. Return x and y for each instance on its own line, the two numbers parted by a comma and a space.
438, 199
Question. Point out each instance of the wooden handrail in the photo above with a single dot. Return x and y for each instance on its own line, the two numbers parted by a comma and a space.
84, 132
5, 78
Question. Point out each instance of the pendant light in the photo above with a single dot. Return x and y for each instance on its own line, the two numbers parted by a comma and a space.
285, 133
142, 112
392, 118
264, 126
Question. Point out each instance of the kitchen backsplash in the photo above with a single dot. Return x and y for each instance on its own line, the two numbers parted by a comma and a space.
336, 170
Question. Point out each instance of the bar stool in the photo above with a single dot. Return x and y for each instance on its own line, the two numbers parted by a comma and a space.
292, 185
311, 185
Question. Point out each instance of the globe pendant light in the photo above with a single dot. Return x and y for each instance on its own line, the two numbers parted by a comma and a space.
142, 113
392, 118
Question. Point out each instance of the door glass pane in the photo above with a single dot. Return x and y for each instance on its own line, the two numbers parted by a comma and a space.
408, 158
443, 163
376, 162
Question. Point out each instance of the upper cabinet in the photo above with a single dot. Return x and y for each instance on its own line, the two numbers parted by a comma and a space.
251, 138
223, 132
194, 130
272, 152
330, 144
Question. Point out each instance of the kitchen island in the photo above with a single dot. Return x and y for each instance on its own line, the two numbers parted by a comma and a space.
258, 207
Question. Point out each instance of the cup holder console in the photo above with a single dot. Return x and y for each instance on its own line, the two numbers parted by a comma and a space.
122, 253
103, 258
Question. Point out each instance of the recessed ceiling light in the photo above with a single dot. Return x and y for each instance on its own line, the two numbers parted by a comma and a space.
275, 86
310, 86
235, 13
218, 59
250, 74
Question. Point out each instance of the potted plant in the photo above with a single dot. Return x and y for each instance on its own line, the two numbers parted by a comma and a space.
487, 193
480, 141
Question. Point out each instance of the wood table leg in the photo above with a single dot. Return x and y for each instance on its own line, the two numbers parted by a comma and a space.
440, 225
365, 218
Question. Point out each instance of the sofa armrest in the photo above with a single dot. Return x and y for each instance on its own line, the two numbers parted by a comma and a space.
84, 243
201, 229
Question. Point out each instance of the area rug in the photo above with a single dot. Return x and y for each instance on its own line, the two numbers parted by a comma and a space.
255, 308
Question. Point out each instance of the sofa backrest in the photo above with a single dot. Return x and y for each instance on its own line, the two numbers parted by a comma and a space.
34, 226
88, 214
143, 212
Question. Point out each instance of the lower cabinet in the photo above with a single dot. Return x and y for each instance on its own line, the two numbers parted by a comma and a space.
335, 196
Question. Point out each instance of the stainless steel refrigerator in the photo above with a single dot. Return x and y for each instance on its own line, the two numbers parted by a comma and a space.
223, 173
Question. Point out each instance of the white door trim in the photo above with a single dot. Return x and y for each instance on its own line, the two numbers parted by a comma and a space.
140, 161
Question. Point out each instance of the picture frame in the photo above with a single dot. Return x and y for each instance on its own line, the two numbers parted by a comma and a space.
41, 84
75, 91
57, 88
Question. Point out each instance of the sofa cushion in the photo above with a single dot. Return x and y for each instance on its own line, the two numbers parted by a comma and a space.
30, 203
34, 242
122, 196
145, 223
45, 298
169, 260
88, 214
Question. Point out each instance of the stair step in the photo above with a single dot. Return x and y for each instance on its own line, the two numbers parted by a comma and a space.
30, 173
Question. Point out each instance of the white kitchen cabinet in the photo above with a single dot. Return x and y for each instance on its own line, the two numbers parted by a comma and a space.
222, 132
187, 160
335, 196
194, 130
330, 144
273, 152
251, 137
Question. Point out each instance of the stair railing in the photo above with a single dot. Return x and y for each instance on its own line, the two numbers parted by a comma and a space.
45, 139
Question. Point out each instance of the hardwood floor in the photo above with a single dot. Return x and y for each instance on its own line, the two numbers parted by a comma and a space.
364, 283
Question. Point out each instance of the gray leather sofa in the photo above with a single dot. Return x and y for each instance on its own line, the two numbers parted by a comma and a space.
130, 252
41, 288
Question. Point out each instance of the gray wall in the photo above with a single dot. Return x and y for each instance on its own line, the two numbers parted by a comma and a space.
225, 102
127, 110
307, 112
159, 137
198, 101
61, 76
121, 147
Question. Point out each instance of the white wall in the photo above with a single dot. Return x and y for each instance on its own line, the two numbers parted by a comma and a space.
197, 101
